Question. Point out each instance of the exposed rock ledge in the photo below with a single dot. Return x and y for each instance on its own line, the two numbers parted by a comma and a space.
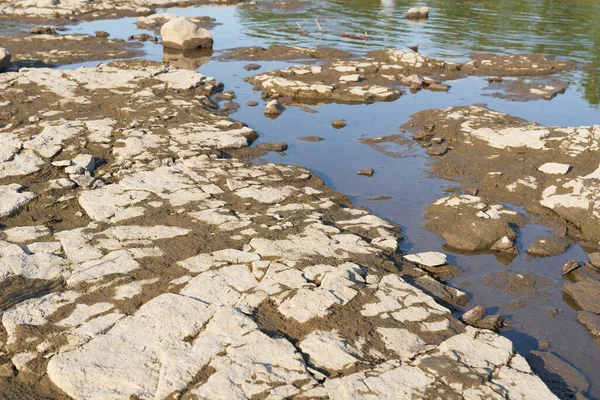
166, 269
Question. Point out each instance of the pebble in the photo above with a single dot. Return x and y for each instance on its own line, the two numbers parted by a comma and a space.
366, 171
570, 266
338, 123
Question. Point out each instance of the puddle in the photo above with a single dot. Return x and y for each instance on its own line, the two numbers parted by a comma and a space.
451, 33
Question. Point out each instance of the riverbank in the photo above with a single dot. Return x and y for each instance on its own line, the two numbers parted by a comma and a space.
153, 140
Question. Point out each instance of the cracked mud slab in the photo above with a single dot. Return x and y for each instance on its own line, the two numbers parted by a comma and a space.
551, 171
167, 267
53, 50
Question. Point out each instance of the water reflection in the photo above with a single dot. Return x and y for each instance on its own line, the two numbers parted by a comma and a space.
188, 59
455, 28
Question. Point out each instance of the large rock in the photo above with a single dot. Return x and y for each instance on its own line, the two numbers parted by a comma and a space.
183, 34
417, 13
4, 58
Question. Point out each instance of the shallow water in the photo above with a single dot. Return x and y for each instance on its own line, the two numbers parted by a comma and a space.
563, 29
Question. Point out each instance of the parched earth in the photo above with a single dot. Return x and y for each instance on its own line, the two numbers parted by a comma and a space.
140, 259
384, 74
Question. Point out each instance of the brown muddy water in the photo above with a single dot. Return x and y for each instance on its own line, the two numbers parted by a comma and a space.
565, 29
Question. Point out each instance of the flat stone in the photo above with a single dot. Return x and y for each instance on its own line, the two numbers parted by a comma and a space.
24, 234
554, 168
273, 146
429, 259
329, 350
560, 376
591, 321
548, 246
585, 293
12, 198
338, 123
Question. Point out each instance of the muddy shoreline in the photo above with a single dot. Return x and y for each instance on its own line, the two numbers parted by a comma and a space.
167, 148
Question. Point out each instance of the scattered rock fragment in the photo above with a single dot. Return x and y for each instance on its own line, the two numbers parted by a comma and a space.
473, 316
102, 34
417, 13
273, 146
181, 33
252, 103
12, 198
366, 171
85, 161
555, 168
143, 37
338, 123
274, 108
569, 266
548, 246
429, 258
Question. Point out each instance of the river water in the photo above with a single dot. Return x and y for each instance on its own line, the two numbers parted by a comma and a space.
564, 29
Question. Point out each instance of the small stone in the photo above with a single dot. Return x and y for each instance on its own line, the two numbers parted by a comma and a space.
429, 258
83, 180
473, 316
492, 79
437, 149
417, 13
491, 322
338, 123
102, 34
350, 78
275, 146
85, 161
183, 34
34, 118
252, 103
570, 266
547, 246
554, 168
274, 108
595, 259
251, 67
228, 95
74, 170
43, 30
366, 171
591, 321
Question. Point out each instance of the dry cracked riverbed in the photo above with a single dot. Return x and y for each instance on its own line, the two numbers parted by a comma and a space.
143, 253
